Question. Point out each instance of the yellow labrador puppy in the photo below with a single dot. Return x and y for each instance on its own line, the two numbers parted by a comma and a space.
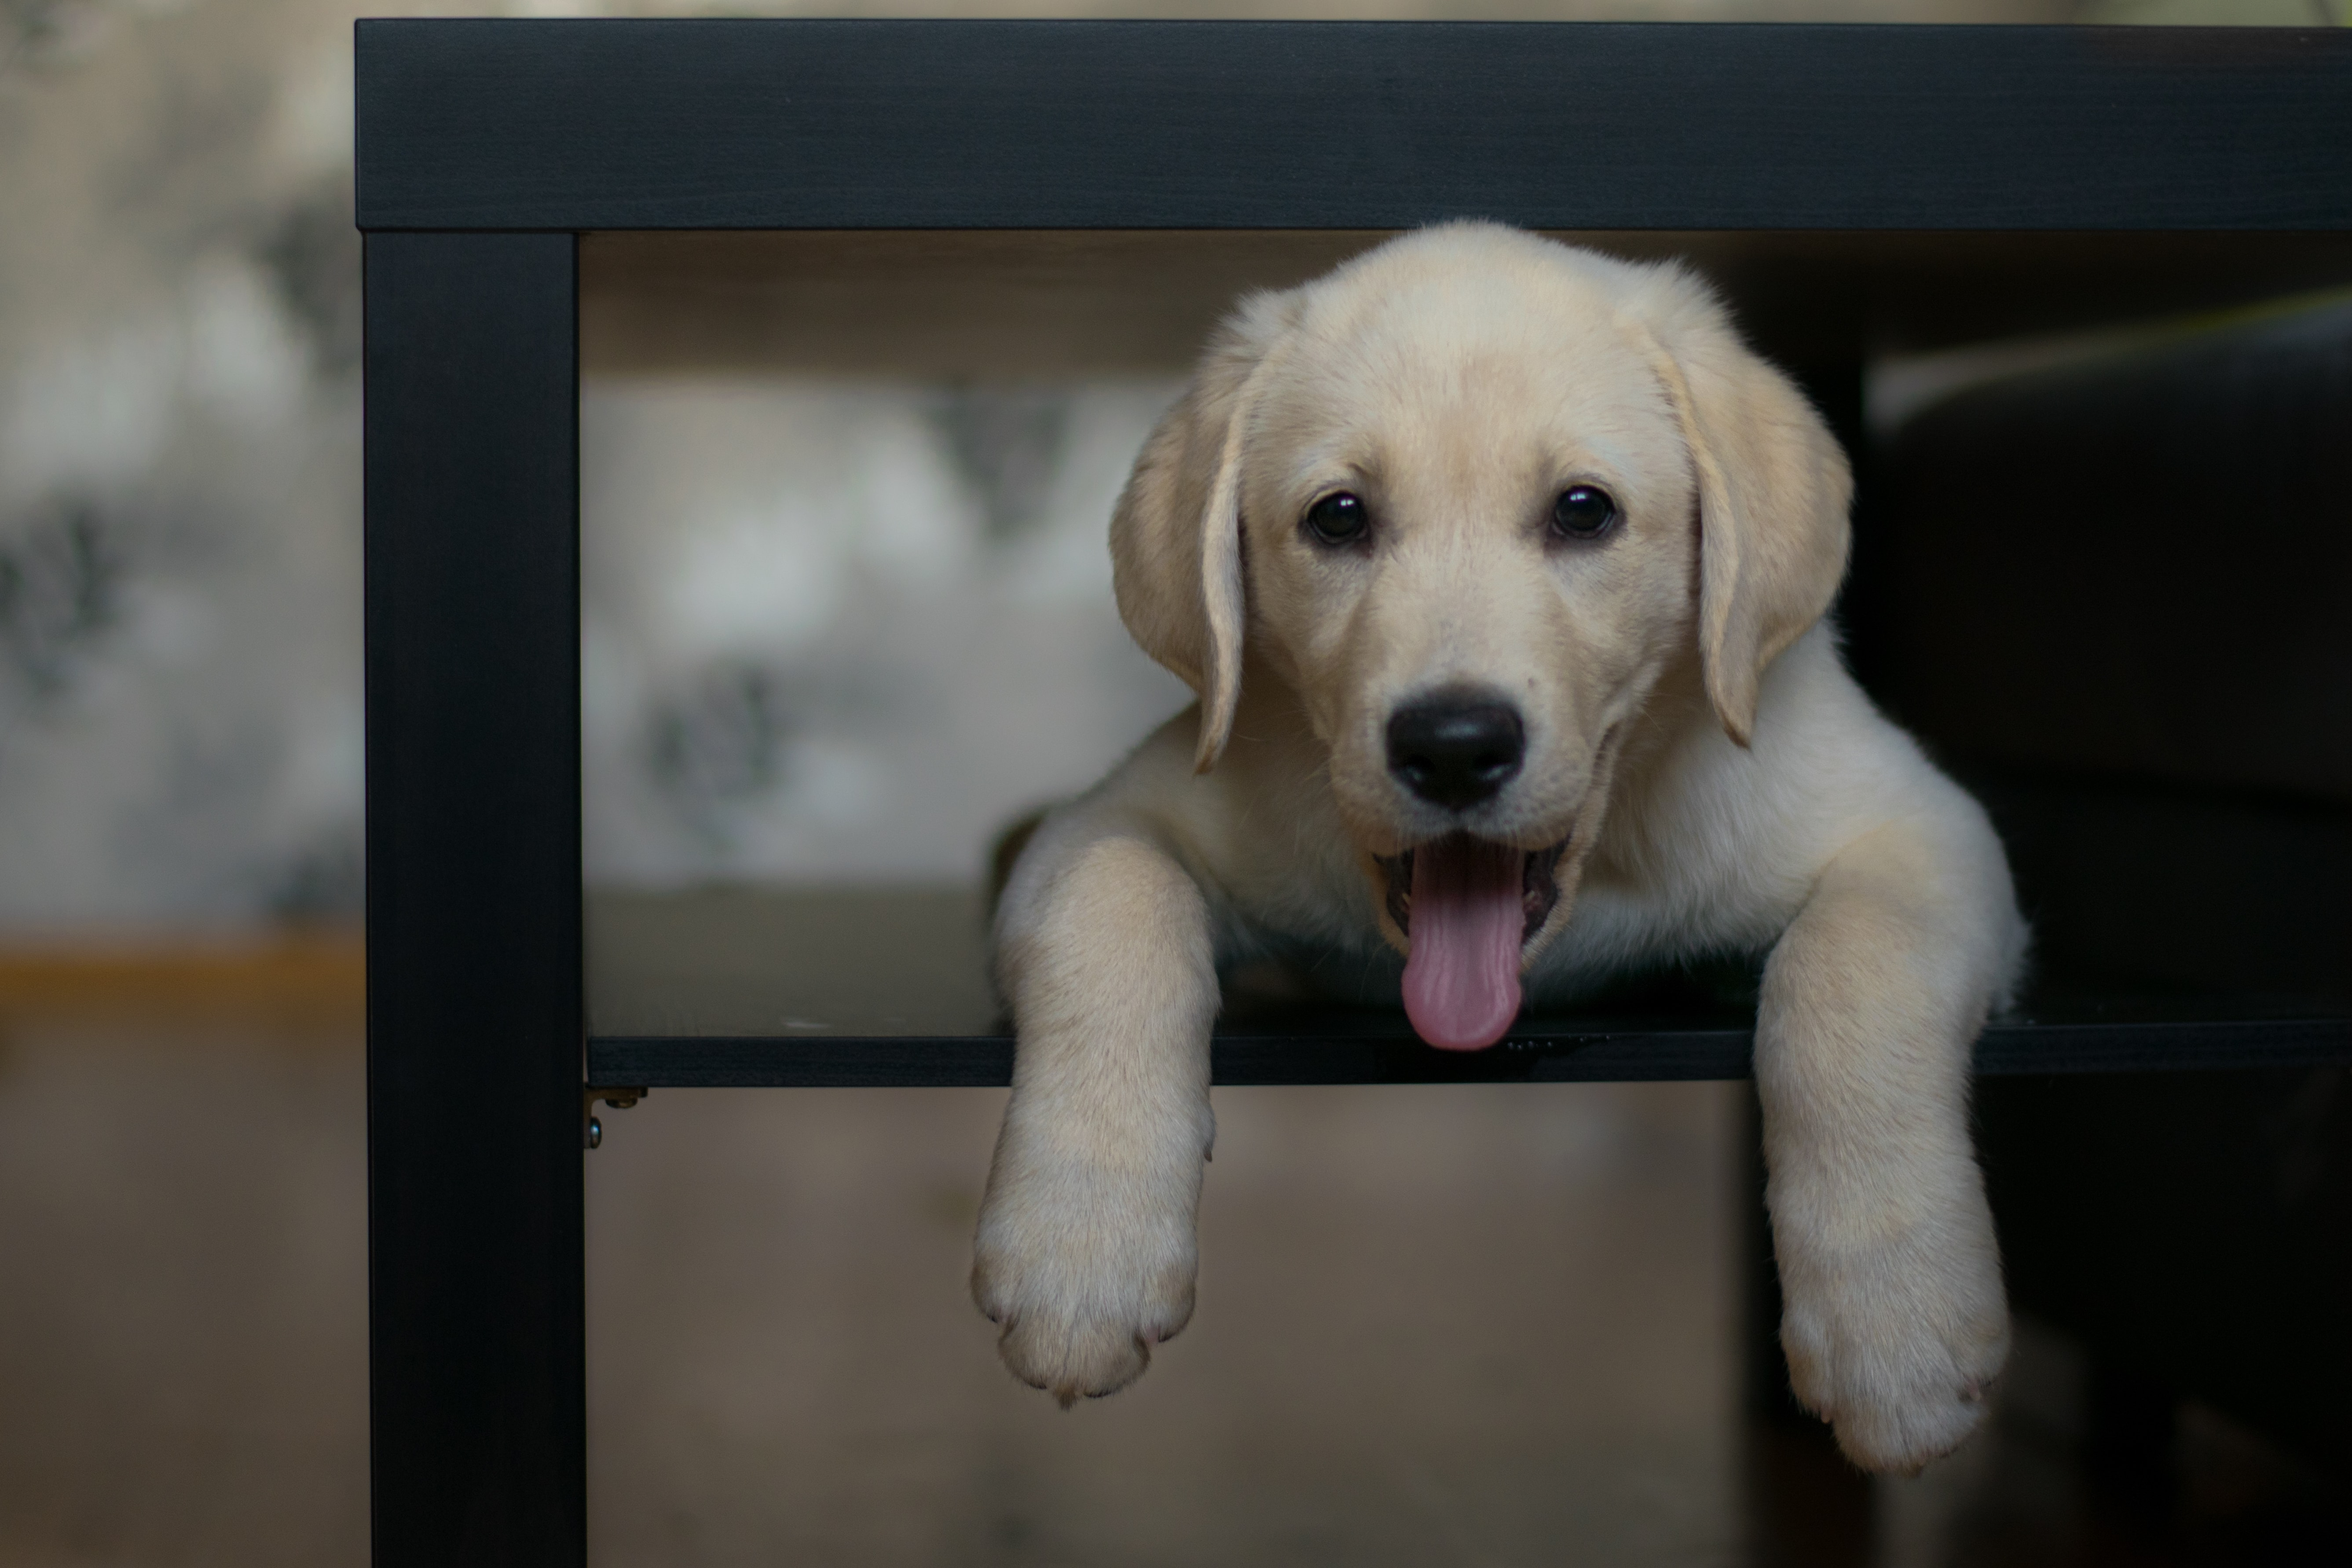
1500, 569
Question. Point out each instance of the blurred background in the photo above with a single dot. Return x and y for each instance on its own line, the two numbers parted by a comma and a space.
845, 612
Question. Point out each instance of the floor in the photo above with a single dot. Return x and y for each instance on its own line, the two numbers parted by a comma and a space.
1476, 1325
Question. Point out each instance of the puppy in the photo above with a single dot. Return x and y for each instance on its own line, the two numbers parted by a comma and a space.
1500, 568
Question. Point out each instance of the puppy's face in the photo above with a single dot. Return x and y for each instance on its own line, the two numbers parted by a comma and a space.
1470, 497
1471, 549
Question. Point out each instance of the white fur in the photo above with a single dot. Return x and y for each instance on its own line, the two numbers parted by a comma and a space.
1456, 374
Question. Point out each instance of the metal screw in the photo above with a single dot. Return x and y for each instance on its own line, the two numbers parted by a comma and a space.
618, 1096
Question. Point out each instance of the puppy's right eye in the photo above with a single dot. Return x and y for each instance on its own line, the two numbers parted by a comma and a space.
1583, 511
1338, 519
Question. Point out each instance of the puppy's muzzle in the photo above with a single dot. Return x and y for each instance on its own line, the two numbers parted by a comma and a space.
1456, 747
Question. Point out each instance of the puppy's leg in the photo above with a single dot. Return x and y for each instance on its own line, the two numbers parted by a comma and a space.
1085, 1252
1895, 1324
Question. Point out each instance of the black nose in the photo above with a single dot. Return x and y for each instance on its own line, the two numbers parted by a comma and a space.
1456, 747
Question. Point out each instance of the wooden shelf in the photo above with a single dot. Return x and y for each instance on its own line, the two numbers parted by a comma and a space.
1351, 1050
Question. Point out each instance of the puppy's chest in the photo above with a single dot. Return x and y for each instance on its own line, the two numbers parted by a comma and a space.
1299, 911
1320, 925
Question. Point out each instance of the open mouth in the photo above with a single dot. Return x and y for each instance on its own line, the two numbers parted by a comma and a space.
1537, 889
1467, 908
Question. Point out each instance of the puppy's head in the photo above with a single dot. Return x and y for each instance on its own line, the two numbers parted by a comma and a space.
1470, 497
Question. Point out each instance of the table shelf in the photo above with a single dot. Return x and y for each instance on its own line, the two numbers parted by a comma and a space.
743, 987
1348, 1050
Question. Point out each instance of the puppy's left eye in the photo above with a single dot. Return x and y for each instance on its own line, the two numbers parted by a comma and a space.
1583, 511
1338, 519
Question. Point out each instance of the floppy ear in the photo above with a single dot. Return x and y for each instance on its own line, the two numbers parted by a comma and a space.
1176, 537
1774, 490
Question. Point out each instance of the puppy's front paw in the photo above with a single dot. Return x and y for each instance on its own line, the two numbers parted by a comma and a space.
1897, 1345
1086, 1275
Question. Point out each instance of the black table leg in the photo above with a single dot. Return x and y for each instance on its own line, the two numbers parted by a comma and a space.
474, 945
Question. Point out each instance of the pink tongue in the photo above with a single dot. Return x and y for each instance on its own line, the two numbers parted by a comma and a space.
1461, 976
